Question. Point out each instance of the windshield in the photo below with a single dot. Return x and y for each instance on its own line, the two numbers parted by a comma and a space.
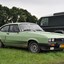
30, 27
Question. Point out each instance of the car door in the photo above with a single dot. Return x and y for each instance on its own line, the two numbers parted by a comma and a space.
3, 33
12, 37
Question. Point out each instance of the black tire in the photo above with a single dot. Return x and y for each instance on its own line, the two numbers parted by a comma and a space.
1, 45
34, 47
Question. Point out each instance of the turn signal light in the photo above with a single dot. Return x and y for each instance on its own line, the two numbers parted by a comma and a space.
52, 44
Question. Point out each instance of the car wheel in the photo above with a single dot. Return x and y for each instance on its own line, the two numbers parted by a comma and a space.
34, 47
1, 45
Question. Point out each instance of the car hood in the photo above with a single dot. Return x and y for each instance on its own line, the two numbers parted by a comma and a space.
49, 34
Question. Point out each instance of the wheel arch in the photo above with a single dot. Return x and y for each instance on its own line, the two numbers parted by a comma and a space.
32, 40
0, 40
35, 42
2, 43
59, 31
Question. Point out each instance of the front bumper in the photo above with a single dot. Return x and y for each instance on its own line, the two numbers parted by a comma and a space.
51, 46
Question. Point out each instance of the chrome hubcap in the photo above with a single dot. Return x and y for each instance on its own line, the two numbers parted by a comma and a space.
34, 47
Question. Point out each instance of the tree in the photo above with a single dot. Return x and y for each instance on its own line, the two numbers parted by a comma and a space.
15, 15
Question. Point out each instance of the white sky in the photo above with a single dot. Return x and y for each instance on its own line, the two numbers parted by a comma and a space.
38, 8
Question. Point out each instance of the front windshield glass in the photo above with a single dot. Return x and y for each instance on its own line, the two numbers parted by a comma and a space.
30, 27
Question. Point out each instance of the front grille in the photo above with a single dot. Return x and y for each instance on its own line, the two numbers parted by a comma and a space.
59, 40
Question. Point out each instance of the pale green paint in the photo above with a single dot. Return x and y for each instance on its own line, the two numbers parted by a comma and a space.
15, 38
22, 38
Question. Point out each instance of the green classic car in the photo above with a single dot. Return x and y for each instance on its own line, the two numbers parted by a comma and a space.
31, 36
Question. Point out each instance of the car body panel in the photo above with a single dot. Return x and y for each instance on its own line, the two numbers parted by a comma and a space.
50, 34
3, 36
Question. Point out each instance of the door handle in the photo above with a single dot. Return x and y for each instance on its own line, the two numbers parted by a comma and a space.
8, 33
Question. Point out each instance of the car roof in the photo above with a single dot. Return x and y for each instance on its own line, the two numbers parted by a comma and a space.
19, 23
22, 23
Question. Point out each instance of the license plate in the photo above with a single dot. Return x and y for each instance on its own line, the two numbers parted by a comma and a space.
62, 46
51, 48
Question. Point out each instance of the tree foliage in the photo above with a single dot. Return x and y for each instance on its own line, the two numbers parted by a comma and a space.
15, 15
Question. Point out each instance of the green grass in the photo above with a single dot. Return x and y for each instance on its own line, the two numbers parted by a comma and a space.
19, 56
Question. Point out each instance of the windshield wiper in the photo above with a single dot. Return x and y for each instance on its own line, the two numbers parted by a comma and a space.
27, 29
38, 30
32, 30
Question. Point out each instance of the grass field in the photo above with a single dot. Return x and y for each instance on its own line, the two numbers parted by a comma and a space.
21, 56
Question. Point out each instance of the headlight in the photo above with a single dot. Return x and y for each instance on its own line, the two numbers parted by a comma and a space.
51, 40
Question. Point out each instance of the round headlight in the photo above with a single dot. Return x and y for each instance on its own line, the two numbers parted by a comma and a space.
49, 40
52, 39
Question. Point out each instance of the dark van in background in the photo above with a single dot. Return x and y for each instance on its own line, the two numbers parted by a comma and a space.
53, 23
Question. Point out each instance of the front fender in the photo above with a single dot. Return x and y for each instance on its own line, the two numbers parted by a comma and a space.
39, 40
33, 39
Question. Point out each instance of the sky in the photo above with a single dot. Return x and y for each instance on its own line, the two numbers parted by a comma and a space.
39, 8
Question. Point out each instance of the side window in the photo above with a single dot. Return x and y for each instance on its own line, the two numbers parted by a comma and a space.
14, 28
4, 29
44, 22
